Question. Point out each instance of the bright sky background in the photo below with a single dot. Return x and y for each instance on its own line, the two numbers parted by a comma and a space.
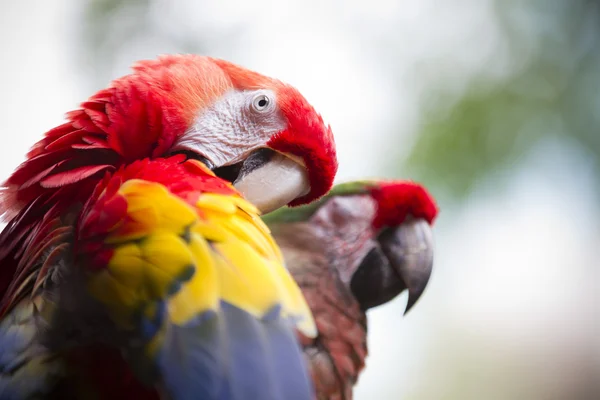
511, 290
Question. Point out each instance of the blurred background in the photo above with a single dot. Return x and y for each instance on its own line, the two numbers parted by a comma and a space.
494, 105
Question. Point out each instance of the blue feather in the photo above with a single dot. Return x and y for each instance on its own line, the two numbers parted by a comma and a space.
27, 370
289, 364
250, 369
231, 355
191, 359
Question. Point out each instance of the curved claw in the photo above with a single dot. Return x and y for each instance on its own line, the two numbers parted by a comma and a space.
409, 249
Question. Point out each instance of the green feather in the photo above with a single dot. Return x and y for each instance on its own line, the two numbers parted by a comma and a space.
303, 213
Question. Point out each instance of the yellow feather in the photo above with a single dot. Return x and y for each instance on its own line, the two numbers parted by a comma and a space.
265, 232
245, 279
201, 293
216, 202
210, 231
127, 265
294, 302
119, 298
168, 260
150, 206
153, 347
246, 206
201, 166
107, 289
150, 310
171, 259
247, 233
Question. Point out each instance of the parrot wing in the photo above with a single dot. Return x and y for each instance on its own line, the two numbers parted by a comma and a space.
193, 285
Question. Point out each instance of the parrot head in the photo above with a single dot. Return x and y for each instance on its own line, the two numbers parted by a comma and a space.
376, 235
258, 133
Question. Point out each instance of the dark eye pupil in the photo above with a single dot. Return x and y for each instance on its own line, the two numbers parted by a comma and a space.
262, 103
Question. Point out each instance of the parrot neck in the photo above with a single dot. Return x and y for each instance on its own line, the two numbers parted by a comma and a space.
337, 356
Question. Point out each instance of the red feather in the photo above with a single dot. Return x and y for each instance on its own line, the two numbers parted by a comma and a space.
66, 140
139, 116
53, 257
397, 200
309, 138
91, 139
106, 208
72, 176
37, 178
33, 167
63, 168
19, 226
89, 146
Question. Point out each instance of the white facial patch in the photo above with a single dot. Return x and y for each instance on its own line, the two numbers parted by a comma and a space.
232, 127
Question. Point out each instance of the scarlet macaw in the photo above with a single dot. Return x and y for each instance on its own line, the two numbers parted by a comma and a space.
358, 247
132, 267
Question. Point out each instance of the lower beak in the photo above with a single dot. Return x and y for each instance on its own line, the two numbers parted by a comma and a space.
271, 180
409, 250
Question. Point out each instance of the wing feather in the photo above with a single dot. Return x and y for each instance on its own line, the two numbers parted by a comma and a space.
198, 279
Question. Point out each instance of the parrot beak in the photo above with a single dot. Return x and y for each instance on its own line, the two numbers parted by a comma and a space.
402, 259
270, 180
409, 249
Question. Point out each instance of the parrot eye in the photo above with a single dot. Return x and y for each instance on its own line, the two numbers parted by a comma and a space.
261, 103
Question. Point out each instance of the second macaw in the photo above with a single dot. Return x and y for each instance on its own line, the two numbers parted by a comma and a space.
358, 247
134, 263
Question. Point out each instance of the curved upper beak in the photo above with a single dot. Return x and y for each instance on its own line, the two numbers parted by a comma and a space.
270, 180
409, 250
402, 258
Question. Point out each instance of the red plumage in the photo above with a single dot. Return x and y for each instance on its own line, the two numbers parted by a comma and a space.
140, 115
342, 340
98, 369
64, 197
299, 139
184, 178
416, 201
